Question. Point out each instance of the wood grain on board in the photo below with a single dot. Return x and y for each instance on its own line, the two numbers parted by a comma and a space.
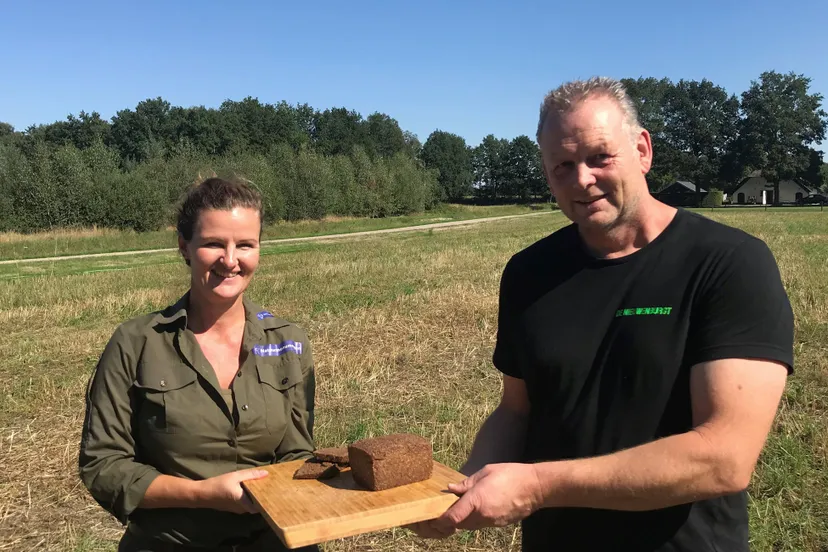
311, 511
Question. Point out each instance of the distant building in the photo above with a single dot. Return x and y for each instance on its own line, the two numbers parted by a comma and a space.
755, 189
680, 193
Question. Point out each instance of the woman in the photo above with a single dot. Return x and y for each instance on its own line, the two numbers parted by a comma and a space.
186, 403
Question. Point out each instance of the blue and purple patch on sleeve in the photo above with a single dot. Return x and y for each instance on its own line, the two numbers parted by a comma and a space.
277, 349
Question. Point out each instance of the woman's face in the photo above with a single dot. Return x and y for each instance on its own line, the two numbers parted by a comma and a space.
223, 253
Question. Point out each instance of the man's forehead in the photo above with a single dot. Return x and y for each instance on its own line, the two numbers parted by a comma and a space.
590, 121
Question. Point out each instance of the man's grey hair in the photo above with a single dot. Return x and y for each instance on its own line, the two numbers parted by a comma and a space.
570, 94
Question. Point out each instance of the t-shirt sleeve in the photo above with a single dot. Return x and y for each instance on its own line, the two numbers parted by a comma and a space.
504, 358
744, 310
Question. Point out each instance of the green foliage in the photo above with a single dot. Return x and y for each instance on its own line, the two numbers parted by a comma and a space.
65, 186
781, 119
508, 170
134, 203
487, 161
310, 163
520, 170
713, 198
6, 130
704, 135
823, 178
449, 154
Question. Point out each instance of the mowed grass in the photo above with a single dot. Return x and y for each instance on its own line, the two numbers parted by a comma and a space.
106, 240
403, 328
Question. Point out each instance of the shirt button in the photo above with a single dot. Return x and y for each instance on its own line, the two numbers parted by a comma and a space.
231, 442
284, 381
244, 407
163, 383
239, 374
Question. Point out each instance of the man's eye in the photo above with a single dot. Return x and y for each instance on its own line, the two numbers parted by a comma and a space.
562, 168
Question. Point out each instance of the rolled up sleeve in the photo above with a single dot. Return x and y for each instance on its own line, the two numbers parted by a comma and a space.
107, 465
298, 441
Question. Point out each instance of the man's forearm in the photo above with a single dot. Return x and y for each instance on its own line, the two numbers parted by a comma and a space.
500, 439
674, 470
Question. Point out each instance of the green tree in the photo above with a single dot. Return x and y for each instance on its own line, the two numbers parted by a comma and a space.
520, 169
137, 134
201, 128
255, 127
650, 98
449, 154
338, 130
487, 162
780, 121
813, 173
701, 125
384, 135
413, 147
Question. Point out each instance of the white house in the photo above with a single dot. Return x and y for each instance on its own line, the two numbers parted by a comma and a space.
756, 189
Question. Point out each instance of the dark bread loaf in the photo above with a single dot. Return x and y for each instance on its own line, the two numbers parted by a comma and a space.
381, 463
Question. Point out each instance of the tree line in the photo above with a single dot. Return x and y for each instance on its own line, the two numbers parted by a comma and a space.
129, 171
700, 133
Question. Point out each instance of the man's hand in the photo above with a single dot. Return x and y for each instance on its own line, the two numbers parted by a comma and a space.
430, 530
224, 492
496, 496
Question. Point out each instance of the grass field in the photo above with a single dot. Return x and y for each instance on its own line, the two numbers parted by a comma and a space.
403, 328
105, 240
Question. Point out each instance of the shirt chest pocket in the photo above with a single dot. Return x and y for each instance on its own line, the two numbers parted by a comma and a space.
280, 380
169, 398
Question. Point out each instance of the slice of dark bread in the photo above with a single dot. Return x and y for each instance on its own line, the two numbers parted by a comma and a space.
337, 455
313, 469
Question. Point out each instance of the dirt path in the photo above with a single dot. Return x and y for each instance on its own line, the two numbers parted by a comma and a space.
288, 240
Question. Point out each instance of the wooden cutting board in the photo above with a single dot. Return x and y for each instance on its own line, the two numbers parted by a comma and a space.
308, 511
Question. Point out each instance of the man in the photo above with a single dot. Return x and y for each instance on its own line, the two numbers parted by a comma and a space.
644, 349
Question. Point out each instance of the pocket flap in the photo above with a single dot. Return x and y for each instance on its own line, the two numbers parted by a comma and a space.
280, 375
164, 379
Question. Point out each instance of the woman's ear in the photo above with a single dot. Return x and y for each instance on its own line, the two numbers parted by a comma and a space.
182, 248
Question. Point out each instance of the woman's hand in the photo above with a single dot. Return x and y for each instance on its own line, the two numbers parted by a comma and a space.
224, 492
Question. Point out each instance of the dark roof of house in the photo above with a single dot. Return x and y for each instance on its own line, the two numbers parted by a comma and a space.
758, 173
685, 184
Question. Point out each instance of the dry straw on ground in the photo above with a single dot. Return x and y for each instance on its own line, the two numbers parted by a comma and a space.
403, 329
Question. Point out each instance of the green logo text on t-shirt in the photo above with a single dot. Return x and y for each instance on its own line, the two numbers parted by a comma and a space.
641, 311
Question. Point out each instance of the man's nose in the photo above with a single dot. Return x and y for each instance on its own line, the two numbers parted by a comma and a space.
585, 177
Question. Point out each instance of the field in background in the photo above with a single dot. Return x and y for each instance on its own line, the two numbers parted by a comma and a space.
106, 240
403, 328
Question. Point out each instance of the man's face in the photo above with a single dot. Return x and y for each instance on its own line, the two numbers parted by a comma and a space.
593, 167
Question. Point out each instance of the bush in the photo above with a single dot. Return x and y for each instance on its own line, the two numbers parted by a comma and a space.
43, 187
713, 198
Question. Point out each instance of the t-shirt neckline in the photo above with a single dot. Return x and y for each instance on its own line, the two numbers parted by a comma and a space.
669, 230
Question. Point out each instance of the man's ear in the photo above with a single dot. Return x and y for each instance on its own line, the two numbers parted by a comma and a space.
644, 147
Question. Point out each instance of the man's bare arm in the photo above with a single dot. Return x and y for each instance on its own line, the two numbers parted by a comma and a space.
502, 435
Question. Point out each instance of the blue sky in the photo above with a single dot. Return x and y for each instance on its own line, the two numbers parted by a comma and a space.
472, 68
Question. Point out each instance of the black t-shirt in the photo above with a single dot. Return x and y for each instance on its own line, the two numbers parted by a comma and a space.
605, 348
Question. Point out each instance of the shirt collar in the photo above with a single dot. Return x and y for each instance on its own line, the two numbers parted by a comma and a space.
257, 318
175, 313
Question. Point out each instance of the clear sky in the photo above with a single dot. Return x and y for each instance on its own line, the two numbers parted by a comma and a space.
471, 68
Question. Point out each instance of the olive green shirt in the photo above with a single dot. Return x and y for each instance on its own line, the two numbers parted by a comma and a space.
154, 407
